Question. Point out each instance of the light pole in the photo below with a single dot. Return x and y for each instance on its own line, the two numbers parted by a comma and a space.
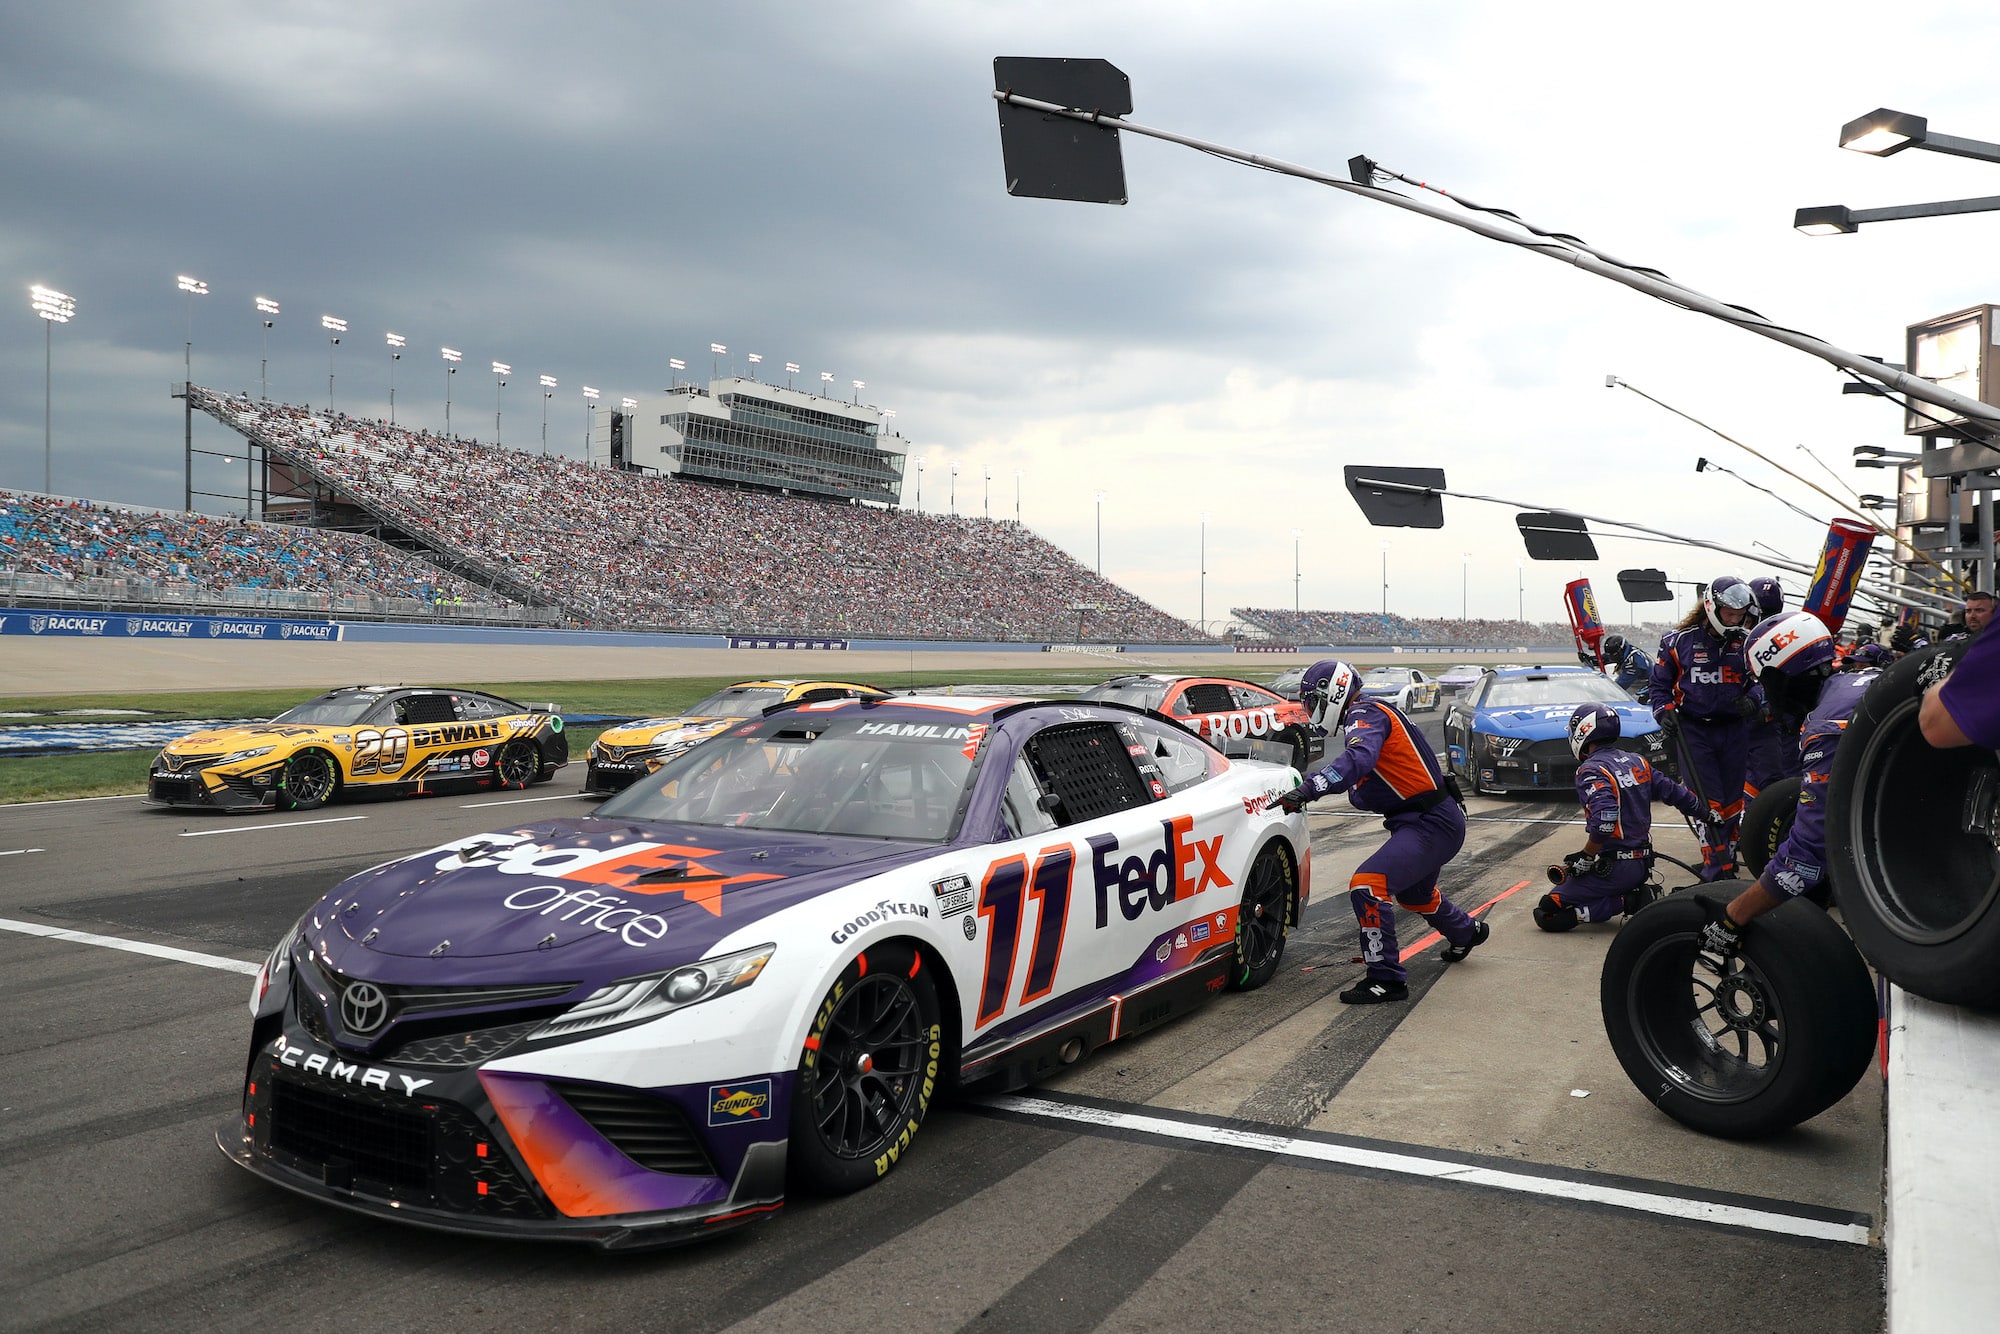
452, 357
194, 287
920, 484
334, 329
1520, 593
791, 369
825, 379
1202, 618
858, 387
1100, 534
395, 342
954, 490
501, 370
589, 422
676, 364
986, 505
626, 404
55, 308
1017, 497
548, 392
755, 360
715, 350
268, 310
1465, 588
1385, 578
1296, 574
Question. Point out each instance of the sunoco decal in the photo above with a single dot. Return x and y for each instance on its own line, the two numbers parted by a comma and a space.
730, 1104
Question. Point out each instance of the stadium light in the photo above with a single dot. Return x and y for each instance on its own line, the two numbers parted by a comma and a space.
1296, 573
954, 490
501, 371
395, 341
194, 287
1881, 133
268, 310
452, 357
826, 377
1100, 534
628, 403
859, 385
55, 308
715, 350
920, 484
791, 369
334, 328
590, 421
1017, 497
548, 387
755, 360
986, 505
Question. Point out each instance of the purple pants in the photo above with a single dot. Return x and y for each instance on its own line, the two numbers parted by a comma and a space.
1768, 758
1599, 898
1719, 753
1405, 871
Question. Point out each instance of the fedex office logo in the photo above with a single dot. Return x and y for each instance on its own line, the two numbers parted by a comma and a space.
1178, 867
640, 867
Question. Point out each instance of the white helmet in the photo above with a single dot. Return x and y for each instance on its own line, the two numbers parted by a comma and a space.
1326, 690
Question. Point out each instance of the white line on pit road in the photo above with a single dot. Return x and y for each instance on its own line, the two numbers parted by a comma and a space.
261, 828
1410, 1164
132, 946
517, 801
15, 852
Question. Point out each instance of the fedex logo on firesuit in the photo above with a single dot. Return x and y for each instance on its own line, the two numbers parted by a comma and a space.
1715, 676
1179, 868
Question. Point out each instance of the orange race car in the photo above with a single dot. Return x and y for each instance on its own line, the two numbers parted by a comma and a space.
1237, 717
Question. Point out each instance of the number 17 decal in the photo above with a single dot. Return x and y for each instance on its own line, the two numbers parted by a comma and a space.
1001, 903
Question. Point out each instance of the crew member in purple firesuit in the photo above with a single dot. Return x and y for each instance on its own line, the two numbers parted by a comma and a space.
1701, 695
1771, 756
1617, 790
1388, 769
1964, 708
1791, 656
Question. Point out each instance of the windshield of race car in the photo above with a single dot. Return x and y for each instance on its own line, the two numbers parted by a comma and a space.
863, 777
1569, 688
1139, 694
1385, 676
335, 711
738, 702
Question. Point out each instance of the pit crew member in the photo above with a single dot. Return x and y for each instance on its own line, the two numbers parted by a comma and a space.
1701, 695
1628, 665
1770, 755
1964, 708
1387, 768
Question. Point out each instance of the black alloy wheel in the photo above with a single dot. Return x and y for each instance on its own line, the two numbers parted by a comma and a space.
1263, 917
868, 1071
517, 765
309, 781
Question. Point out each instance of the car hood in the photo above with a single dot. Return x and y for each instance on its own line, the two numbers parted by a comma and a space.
664, 731
226, 739
576, 893
1544, 721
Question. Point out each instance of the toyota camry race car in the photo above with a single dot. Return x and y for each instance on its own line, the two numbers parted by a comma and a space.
1242, 718
1405, 687
758, 965
621, 754
395, 740
1510, 732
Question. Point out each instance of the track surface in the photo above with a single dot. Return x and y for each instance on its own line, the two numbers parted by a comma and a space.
116, 1067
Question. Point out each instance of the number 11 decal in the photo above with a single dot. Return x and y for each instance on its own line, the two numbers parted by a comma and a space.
1001, 904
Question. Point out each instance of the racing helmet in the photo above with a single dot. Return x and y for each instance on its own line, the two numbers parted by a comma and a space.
1590, 726
1612, 649
1868, 655
1727, 592
1790, 656
1768, 595
1326, 690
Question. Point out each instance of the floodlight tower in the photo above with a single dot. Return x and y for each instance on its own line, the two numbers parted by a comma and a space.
334, 329
55, 308
396, 342
194, 287
267, 312
501, 370
791, 369
589, 422
548, 392
452, 356
755, 360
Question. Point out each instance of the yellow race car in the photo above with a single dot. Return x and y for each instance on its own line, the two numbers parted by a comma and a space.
624, 754
397, 740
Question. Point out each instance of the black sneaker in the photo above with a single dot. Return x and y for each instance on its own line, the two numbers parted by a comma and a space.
1374, 991
1457, 953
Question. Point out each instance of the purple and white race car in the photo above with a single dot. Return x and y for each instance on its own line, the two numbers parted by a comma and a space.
758, 966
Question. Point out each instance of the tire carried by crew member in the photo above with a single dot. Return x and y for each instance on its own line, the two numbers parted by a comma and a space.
1766, 821
1910, 842
1744, 1042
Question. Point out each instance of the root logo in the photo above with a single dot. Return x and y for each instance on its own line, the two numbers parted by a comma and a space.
729, 1104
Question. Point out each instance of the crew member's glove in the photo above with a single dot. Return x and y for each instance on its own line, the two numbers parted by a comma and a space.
1582, 864
1720, 935
1317, 785
1747, 706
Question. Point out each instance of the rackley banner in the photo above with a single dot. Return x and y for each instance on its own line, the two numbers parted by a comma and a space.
98, 625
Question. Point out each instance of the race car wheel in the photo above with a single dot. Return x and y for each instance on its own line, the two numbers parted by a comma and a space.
309, 781
1744, 1046
517, 764
1301, 744
1262, 919
1766, 821
1911, 843
868, 1071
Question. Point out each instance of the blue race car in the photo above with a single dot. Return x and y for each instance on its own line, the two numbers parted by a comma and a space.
1510, 732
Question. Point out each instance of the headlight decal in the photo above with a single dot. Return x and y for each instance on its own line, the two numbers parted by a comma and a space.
636, 999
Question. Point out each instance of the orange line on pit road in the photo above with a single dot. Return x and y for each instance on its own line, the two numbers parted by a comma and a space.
1412, 951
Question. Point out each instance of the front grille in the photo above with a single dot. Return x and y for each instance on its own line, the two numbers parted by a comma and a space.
408, 1002
171, 788
451, 1050
378, 1143
187, 764
650, 1132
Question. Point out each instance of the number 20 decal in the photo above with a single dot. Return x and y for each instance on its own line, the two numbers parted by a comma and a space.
380, 752
1002, 902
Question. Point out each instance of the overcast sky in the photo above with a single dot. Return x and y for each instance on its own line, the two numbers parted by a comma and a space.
585, 191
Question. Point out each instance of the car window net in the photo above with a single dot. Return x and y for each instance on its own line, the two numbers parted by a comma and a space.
1209, 697
1086, 768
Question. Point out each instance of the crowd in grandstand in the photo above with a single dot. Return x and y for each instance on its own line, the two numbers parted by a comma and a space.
1367, 627
625, 550
174, 555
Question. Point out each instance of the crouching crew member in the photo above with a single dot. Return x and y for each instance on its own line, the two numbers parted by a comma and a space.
1701, 696
1792, 659
1617, 790
1387, 768
1628, 665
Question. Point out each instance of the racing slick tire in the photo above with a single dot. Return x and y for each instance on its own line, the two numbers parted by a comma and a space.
309, 780
1301, 743
1742, 1047
1766, 821
1910, 843
868, 1071
518, 764
1263, 918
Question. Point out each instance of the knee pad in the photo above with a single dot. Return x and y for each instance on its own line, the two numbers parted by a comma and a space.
1637, 897
1552, 916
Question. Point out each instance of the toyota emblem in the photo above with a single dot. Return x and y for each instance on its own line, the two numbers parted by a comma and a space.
364, 1008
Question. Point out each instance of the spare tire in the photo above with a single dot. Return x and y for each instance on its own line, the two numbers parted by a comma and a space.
1746, 1046
1911, 843
1766, 821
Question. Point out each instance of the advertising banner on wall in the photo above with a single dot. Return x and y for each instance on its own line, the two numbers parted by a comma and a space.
101, 625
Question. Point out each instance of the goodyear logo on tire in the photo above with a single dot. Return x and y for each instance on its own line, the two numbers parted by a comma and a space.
729, 1104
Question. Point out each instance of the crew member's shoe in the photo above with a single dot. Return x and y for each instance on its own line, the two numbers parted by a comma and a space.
1374, 991
1456, 953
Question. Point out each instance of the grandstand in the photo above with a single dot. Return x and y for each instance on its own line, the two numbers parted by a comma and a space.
61, 549
620, 549
1366, 627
